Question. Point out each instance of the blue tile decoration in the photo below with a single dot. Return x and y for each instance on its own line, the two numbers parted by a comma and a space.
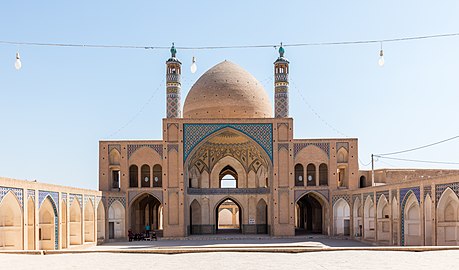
371, 194
79, 197
297, 147
42, 194
88, 198
193, 134
394, 194
31, 194
439, 189
134, 147
18, 192
64, 196
405, 193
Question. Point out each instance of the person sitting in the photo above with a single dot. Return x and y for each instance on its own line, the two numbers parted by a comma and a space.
130, 235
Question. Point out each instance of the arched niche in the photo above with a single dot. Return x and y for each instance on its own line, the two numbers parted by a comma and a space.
341, 217
10, 223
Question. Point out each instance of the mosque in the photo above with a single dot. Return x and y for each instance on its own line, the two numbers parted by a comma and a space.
228, 164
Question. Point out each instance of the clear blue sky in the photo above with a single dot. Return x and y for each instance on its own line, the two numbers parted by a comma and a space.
63, 101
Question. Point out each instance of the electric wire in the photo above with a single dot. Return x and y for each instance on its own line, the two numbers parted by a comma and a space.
420, 161
420, 147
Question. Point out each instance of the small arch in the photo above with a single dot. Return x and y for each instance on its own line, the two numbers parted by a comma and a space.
447, 217
369, 218
262, 217
383, 219
323, 174
343, 155
75, 223
357, 214
362, 181
311, 174
89, 222
228, 177
157, 176
101, 221
114, 157
195, 217
133, 176
299, 175
145, 175
412, 222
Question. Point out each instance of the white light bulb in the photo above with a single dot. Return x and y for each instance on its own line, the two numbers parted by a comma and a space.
18, 63
381, 58
193, 67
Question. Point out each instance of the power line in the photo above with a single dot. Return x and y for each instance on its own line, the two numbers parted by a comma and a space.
421, 161
420, 147
355, 42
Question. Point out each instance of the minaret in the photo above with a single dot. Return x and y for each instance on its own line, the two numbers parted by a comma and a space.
173, 85
281, 85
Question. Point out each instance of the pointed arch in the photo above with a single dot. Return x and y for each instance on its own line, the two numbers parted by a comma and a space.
357, 215
228, 213
369, 218
195, 217
262, 217
411, 220
89, 222
395, 221
48, 222
383, 219
341, 217
75, 223
447, 218
101, 221
10, 222
116, 220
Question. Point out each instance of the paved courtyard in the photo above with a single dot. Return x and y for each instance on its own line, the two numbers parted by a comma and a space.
241, 260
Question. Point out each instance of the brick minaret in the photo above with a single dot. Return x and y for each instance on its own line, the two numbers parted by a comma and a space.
173, 85
281, 85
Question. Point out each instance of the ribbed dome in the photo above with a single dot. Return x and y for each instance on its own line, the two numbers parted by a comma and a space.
227, 91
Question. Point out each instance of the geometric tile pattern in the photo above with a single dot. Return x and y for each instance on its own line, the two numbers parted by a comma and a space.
282, 145
385, 193
439, 189
345, 197
18, 192
297, 147
428, 191
404, 191
64, 197
281, 103
54, 196
193, 134
78, 197
31, 194
89, 197
133, 147
171, 147
122, 200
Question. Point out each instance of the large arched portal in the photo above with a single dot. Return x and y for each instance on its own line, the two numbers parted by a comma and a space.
228, 217
145, 213
310, 213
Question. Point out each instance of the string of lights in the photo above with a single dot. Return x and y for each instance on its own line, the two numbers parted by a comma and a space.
18, 63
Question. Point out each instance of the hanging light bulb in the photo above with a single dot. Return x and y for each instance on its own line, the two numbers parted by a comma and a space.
17, 63
193, 67
381, 57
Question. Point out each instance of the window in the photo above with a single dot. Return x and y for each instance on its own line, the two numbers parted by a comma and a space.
323, 174
133, 176
115, 179
157, 173
299, 175
228, 177
311, 174
145, 175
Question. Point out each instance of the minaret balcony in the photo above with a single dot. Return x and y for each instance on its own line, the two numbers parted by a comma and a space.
281, 77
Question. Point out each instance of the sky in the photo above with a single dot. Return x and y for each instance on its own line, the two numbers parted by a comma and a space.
54, 111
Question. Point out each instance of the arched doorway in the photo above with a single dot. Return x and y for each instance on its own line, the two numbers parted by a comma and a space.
47, 225
341, 216
228, 217
412, 222
145, 211
357, 214
75, 223
116, 220
195, 218
310, 214
262, 217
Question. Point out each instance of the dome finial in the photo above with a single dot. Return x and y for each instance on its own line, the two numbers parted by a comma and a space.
173, 50
281, 50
